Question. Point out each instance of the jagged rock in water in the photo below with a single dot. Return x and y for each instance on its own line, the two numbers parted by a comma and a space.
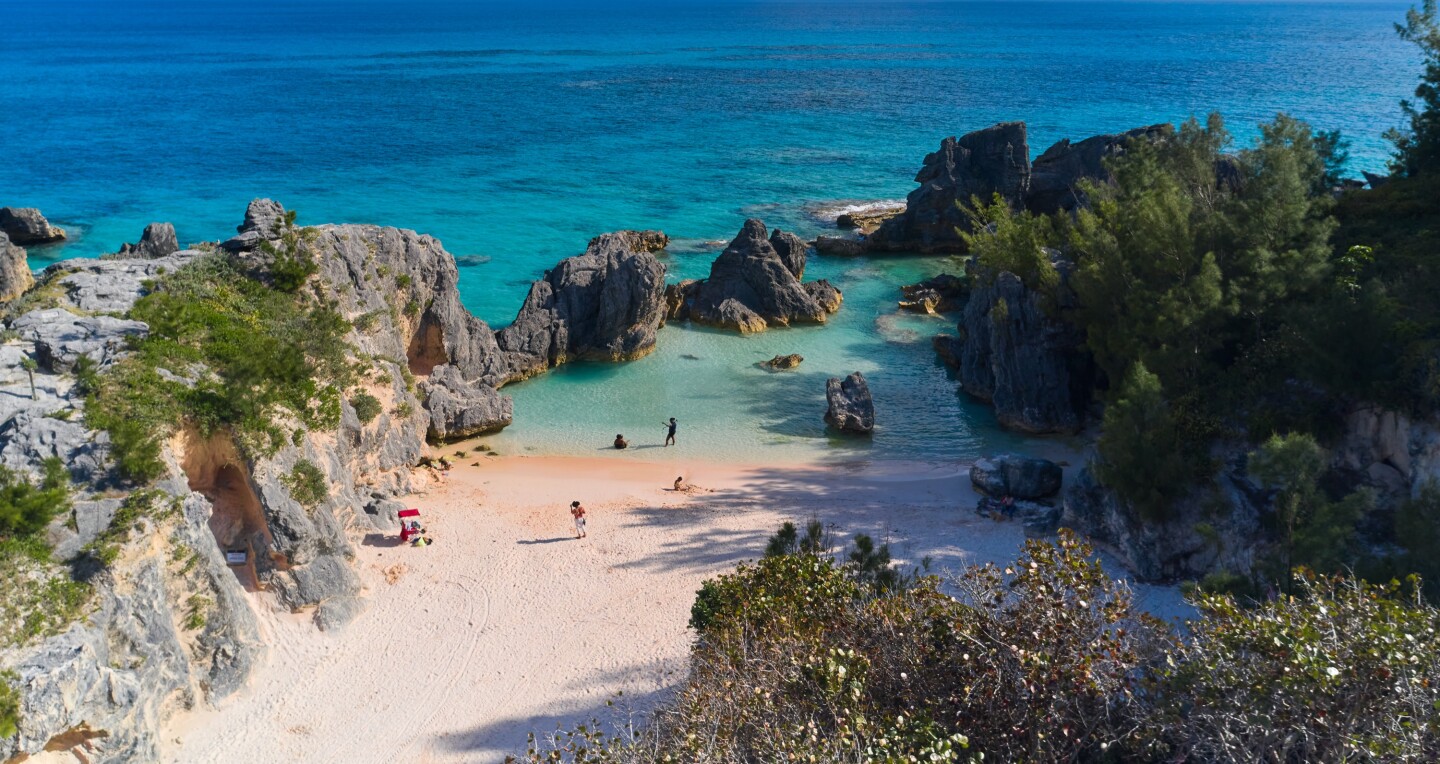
158, 240
639, 241
25, 225
1029, 365
750, 288
851, 409
15, 275
783, 362
605, 305
981, 164
948, 347
61, 338
839, 246
791, 249
940, 294
1016, 476
1055, 174
459, 410
870, 218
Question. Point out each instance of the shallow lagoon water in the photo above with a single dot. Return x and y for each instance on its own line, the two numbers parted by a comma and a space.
516, 132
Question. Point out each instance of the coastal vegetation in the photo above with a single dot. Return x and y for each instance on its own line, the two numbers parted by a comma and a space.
799, 658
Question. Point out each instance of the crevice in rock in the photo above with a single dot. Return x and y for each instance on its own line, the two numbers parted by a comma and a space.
427, 347
213, 468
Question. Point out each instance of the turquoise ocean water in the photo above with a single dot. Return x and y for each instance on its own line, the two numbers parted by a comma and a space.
515, 132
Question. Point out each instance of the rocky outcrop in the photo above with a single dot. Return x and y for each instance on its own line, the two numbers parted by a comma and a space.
781, 362
938, 294
1203, 533
61, 338
1016, 476
458, 410
15, 275
851, 409
751, 288
158, 240
870, 217
981, 164
88, 286
840, 246
1016, 352
1055, 174
263, 220
638, 241
25, 225
605, 305
1388, 452
791, 249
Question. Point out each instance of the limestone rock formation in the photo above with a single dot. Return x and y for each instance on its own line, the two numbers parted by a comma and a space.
791, 249
851, 409
605, 304
1055, 174
25, 225
460, 410
639, 241
1030, 365
15, 275
158, 240
61, 338
869, 218
1016, 476
839, 246
939, 294
263, 218
781, 362
88, 285
981, 164
751, 288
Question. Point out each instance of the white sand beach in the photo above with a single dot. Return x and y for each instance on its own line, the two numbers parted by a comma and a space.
509, 624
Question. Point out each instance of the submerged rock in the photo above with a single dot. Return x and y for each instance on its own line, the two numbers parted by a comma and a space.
1016, 476
25, 225
15, 275
851, 409
751, 288
604, 305
158, 240
783, 362
939, 294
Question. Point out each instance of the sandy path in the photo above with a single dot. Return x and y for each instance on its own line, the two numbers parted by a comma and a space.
508, 624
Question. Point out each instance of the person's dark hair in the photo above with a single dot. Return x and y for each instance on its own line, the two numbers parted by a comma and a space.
672, 418
574, 503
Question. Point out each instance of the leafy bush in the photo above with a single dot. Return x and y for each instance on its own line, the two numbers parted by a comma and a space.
1342, 671
1142, 456
1417, 146
366, 406
1314, 532
9, 705
1017, 242
37, 597
307, 483
26, 508
256, 355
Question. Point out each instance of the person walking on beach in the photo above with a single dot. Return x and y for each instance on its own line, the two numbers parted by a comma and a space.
670, 433
578, 512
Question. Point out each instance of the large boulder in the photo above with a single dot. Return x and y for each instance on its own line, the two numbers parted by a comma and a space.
158, 240
851, 409
25, 225
751, 288
1029, 364
791, 249
981, 164
605, 304
264, 219
15, 275
1016, 476
939, 294
459, 409
1055, 174
840, 246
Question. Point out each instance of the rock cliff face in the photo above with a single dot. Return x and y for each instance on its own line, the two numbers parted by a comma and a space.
605, 305
752, 287
158, 240
992, 161
171, 624
15, 275
25, 225
1017, 352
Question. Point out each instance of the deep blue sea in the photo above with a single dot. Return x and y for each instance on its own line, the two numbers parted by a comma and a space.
514, 132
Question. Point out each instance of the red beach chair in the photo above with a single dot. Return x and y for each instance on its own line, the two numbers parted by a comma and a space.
409, 524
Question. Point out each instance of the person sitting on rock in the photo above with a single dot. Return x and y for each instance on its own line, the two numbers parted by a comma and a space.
621, 442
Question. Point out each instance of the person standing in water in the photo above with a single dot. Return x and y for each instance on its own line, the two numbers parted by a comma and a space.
670, 433
578, 512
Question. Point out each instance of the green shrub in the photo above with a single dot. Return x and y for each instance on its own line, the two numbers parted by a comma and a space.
403, 281
307, 483
25, 507
9, 705
366, 406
